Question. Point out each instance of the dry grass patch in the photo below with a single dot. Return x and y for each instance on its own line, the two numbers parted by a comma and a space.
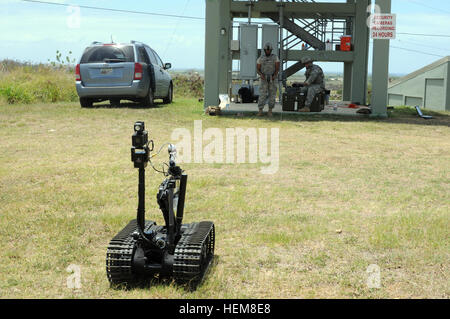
349, 193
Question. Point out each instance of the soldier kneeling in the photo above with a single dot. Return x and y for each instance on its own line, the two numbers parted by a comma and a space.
314, 82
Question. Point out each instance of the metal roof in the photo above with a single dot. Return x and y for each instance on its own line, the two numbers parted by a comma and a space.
420, 71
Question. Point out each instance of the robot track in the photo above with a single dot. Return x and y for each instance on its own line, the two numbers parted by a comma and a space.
192, 256
194, 252
119, 256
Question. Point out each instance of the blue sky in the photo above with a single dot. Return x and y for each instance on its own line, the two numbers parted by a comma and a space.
33, 32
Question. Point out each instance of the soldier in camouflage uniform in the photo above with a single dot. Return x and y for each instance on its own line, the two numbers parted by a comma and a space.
314, 82
267, 66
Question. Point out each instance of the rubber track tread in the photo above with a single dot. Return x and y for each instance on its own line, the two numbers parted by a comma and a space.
119, 255
188, 262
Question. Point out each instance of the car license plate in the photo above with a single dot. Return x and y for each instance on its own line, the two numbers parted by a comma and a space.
106, 71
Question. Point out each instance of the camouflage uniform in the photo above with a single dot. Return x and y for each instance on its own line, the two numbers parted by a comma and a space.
315, 80
268, 88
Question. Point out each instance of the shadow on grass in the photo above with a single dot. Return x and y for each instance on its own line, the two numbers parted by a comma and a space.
128, 105
167, 281
401, 115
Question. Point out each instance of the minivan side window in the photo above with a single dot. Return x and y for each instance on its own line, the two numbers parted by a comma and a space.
151, 55
158, 59
143, 56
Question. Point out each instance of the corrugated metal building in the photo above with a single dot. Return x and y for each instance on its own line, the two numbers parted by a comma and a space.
428, 87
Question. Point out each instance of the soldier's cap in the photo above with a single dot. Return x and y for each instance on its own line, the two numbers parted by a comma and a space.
307, 59
268, 46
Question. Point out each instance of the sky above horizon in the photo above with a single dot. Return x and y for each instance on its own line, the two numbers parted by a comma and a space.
33, 32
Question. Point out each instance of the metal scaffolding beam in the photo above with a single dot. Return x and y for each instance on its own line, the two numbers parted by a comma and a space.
321, 56
301, 22
217, 50
361, 53
293, 69
298, 31
302, 10
380, 72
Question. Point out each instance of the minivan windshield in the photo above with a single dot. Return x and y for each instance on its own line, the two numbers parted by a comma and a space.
108, 53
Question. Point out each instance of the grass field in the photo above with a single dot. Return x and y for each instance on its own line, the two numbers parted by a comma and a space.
349, 193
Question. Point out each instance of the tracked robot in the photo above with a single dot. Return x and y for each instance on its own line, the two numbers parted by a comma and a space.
143, 249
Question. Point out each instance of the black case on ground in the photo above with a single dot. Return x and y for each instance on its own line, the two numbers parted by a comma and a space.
293, 95
288, 102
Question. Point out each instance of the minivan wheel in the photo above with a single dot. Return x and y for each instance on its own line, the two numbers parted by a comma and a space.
84, 102
169, 98
148, 101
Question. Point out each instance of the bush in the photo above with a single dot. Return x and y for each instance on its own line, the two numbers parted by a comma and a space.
49, 83
190, 85
28, 83
15, 94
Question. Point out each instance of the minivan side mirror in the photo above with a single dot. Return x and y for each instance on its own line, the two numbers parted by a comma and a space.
167, 66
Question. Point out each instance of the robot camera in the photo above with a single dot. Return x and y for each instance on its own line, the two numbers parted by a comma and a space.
139, 126
140, 136
140, 150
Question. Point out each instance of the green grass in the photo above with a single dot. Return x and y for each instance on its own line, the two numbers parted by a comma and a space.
349, 193
27, 83
23, 83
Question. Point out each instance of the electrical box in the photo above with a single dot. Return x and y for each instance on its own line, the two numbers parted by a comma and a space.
234, 45
248, 38
270, 33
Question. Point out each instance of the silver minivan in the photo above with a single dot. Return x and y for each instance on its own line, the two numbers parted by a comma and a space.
114, 72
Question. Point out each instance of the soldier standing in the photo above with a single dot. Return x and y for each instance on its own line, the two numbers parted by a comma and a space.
267, 66
314, 82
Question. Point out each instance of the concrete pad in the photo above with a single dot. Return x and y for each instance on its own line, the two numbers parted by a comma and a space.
342, 109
